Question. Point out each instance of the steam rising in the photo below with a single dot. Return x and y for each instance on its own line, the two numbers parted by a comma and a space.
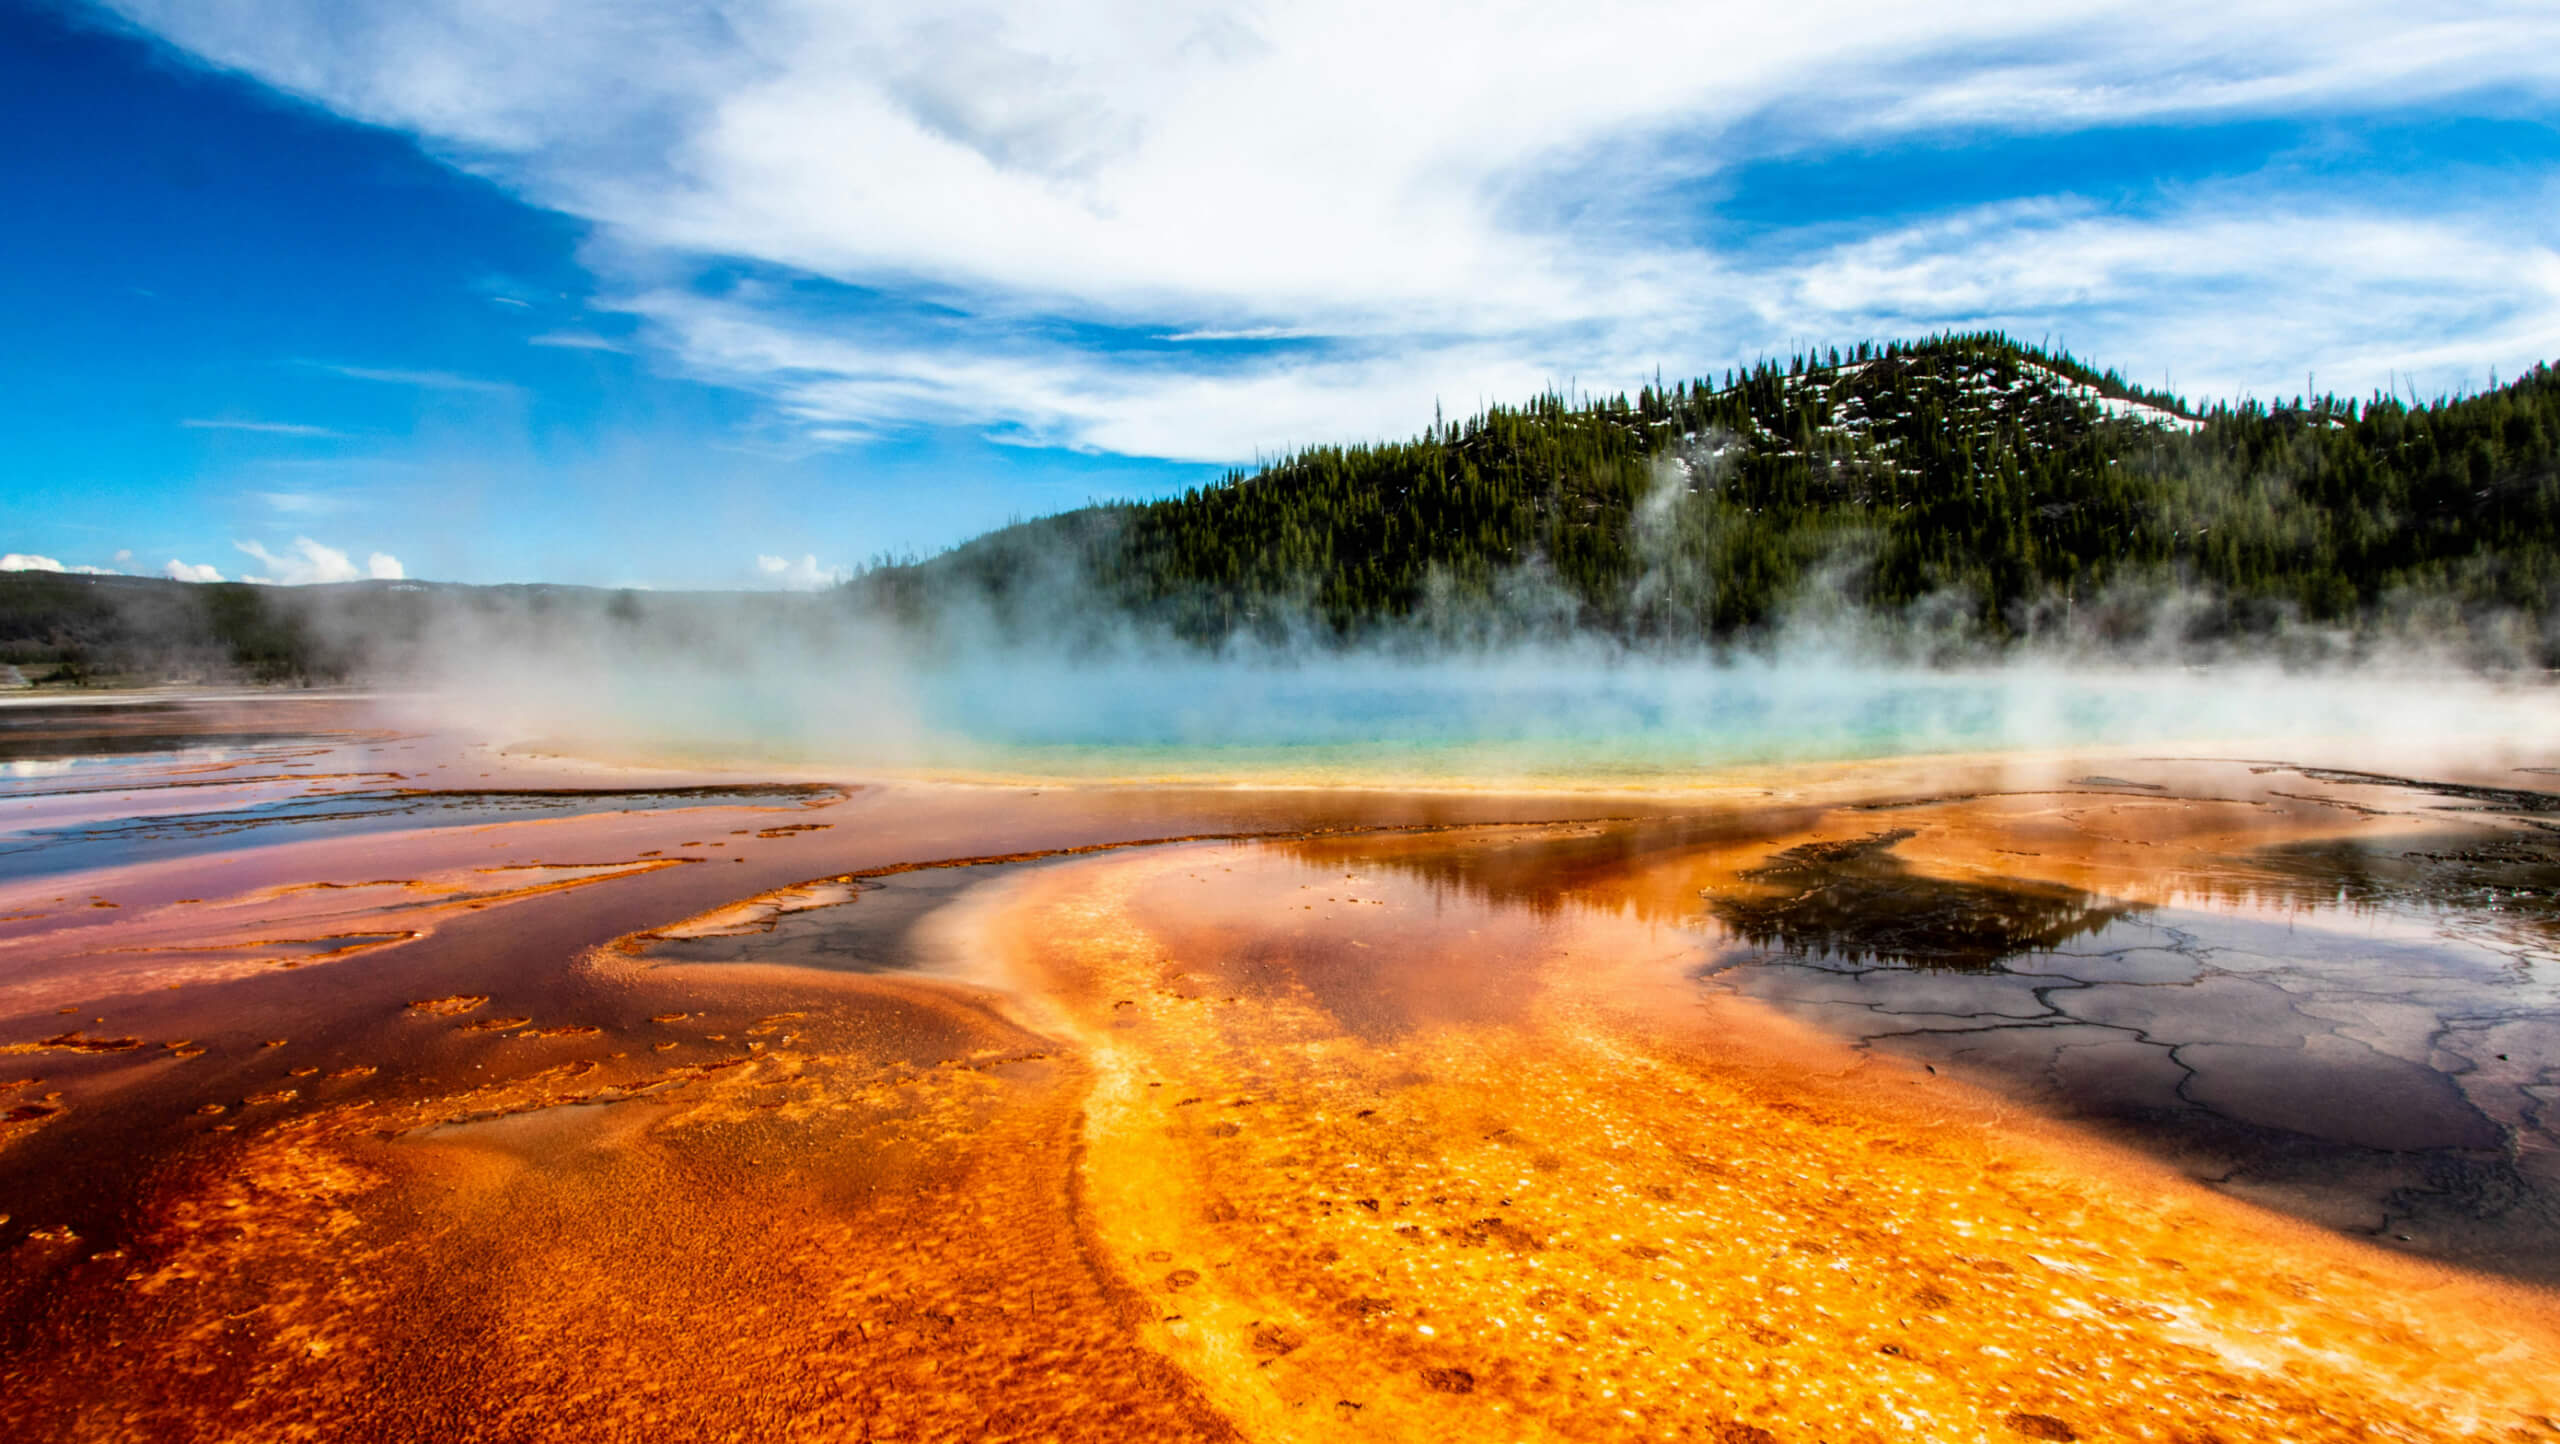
1497, 692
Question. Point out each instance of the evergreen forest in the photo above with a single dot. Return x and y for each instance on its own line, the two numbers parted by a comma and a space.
1961, 486
2018, 489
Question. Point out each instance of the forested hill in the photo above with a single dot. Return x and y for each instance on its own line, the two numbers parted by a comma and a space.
2013, 486
1963, 487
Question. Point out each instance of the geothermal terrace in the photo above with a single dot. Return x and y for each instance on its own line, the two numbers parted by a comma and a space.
363, 1082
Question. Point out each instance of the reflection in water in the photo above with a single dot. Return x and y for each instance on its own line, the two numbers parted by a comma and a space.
26, 754
1549, 870
108, 724
1378, 954
2355, 1030
117, 841
1855, 900
2496, 883
2361, 1028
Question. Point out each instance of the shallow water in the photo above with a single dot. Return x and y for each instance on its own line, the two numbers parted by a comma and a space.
1559, 719
2361, 1030
2371, 1069
258, 816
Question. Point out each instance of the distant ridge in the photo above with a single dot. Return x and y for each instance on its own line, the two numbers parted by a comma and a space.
1965, 488
75, 629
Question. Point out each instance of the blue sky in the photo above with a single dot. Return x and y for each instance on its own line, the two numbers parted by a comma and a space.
742, 293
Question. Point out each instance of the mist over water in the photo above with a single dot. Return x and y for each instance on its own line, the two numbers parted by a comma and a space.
866, 697
1549, 714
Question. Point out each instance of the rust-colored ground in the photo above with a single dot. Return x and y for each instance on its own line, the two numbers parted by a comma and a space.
1409, 1123
1557, 1203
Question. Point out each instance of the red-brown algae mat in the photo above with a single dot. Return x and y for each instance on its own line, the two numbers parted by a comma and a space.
1373, 1115
821, 1239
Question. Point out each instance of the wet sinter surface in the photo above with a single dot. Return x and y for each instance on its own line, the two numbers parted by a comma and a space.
1555, 1203
917, 1111
2340, 1001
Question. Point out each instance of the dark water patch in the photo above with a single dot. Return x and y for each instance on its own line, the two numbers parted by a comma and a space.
2516, 800
125, 841
140, 746
2506, 877
33, 724
866, 921
869, 931
95, 777
2389, 1080
2362, 1032
1551, 868
1854, 899
125, 725
2336, 1090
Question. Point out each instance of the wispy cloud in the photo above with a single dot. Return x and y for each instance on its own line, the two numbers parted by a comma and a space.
1421, 200
1026, 389
1248, 333
425, 380
264, 428
301, 503
576, 341
2365, 295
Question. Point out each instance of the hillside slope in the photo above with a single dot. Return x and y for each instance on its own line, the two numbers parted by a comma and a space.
1970, 473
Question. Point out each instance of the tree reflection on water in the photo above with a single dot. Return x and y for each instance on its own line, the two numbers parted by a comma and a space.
1856, 900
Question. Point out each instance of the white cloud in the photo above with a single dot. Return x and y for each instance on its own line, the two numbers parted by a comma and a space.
307, 562
803, 575
2367, 296
2361, 295
267, 428
30, 562
1433, 199
178, 571
1047, 392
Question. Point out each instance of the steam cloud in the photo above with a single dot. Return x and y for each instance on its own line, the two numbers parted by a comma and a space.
1498, 687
